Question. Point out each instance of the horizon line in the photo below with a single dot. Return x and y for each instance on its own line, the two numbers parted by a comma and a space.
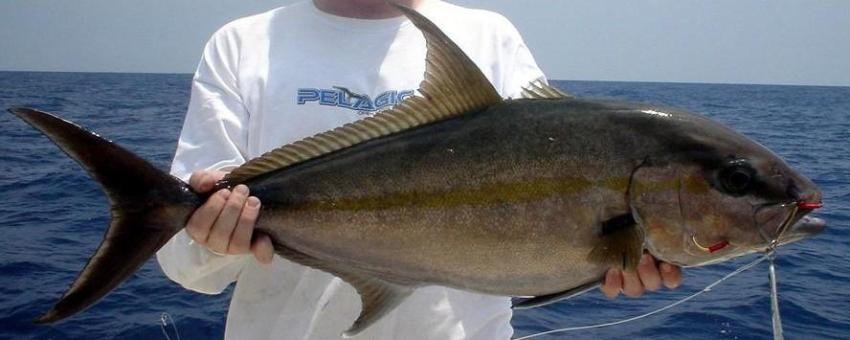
550, 79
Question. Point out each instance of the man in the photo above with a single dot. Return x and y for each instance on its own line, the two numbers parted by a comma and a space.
277, 77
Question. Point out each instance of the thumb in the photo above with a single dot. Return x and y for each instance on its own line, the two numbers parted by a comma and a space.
204, 180
262, 248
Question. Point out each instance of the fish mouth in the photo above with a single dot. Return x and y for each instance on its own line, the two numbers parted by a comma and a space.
802, 225
795, 223
806, 226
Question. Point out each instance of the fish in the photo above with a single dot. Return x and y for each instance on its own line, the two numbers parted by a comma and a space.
534, 197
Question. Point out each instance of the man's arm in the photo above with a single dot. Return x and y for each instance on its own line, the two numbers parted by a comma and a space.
208, 255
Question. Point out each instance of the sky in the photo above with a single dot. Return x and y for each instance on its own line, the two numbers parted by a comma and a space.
705, 41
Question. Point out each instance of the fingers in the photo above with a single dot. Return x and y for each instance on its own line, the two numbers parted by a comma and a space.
240, 241
648, 273
632, 286
201, 221
618, 281
262, 248
671, 275
613, 283
648, 276
225, 224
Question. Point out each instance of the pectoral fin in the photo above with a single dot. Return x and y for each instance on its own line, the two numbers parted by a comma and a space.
620, 243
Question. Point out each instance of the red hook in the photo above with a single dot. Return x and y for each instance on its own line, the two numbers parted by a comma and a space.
717, 246
809, 205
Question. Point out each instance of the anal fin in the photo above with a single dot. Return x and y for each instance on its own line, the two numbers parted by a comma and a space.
620, 243
378, 296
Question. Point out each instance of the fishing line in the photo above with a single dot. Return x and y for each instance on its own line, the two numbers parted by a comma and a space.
674, 304
769, 255
164, 319
774, 300
775, 317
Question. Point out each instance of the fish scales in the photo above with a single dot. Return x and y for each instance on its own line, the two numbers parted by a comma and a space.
514, 177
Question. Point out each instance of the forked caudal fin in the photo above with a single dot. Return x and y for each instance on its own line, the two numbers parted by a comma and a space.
148, 208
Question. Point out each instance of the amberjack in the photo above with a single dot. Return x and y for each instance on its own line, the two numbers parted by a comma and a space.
532, 197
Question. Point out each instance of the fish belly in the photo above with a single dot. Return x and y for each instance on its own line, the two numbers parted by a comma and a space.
506, 249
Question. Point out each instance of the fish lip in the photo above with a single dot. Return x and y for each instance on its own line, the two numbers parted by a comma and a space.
809, 225
805, 227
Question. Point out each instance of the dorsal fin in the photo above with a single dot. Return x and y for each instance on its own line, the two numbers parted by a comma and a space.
453, 85
540, 90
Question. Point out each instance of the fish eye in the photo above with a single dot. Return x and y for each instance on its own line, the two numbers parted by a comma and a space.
737, 177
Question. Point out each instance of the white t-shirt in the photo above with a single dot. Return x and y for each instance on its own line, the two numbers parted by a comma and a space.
280, 76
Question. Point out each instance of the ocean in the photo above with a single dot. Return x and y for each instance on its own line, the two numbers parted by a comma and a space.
52, 217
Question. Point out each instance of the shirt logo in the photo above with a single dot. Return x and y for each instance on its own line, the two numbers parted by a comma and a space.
342, 97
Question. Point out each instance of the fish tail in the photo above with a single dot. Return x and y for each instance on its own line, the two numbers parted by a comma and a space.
148, 207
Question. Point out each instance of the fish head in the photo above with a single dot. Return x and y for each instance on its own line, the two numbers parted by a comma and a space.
715, 194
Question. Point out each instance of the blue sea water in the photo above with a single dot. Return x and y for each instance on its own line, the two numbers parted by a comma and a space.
52, 216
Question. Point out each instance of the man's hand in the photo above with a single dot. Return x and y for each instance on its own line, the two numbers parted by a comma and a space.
648, 276
225, 222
